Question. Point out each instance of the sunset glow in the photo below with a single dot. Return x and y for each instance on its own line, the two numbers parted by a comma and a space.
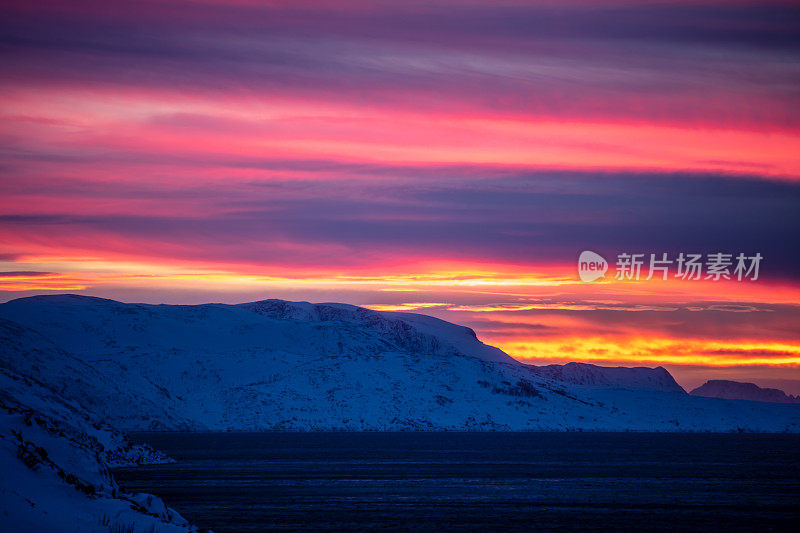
445, 158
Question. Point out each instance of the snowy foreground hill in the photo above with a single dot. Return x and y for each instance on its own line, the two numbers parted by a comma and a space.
55, 457
276, 365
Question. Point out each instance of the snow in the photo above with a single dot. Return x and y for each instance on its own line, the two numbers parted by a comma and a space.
273, 364
55, 458
585, 374
73, 368
735, 390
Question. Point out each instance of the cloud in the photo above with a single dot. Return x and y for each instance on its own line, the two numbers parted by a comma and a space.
25, 274
687, 62
534, 219
406, 154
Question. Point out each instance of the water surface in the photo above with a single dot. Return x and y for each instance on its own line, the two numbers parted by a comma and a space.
476, 481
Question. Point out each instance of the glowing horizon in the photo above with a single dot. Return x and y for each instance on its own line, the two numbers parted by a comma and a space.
440, 157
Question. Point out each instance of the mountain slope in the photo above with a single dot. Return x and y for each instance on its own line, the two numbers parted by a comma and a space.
283, 365
55, 457
735, 390
635, 378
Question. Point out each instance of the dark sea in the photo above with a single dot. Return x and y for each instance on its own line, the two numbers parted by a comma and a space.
476, 481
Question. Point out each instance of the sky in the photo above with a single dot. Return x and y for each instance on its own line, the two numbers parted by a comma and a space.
449, 158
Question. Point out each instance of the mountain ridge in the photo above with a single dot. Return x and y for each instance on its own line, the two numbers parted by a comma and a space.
737, 390
277, 365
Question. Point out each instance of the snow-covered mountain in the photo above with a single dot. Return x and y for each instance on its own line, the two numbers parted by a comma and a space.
636, 378
284, 365
735, 390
